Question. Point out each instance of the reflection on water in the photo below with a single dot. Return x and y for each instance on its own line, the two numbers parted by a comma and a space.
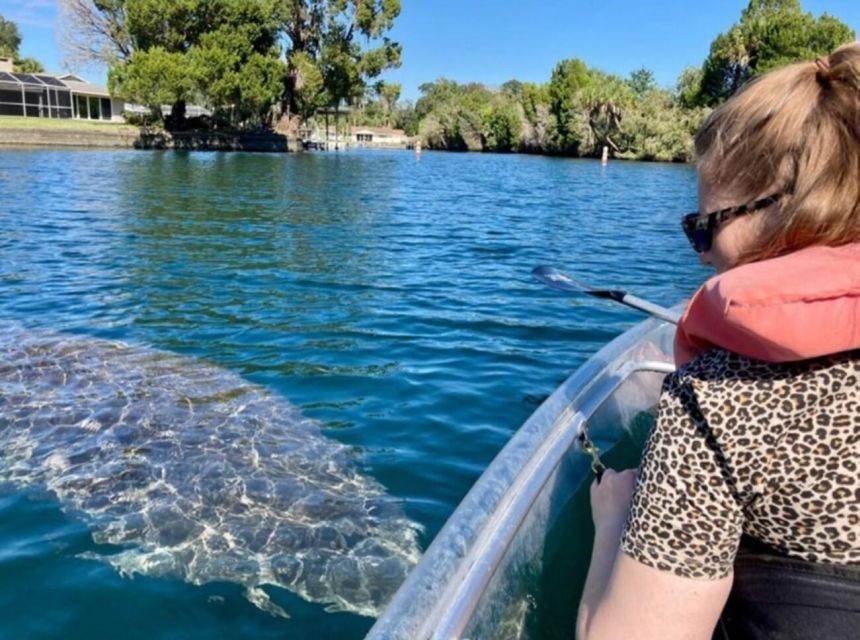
388, 298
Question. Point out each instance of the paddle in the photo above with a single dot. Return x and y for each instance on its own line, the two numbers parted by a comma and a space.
562, 282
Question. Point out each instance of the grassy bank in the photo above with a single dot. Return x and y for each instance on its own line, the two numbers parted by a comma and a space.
84, 126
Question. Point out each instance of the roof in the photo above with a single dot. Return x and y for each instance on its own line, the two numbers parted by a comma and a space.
69, 76
44, 80
87, 88
380, 131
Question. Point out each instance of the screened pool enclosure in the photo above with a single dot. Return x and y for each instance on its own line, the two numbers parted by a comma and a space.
44, 96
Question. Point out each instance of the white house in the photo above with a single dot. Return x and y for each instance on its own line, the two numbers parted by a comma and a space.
379, 137
92, 101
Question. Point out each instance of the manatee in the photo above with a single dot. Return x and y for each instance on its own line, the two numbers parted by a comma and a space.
195, 473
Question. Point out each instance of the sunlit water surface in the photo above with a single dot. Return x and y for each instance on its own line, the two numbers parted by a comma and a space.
388, 297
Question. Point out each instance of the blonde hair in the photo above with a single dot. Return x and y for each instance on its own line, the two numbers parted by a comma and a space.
794, 131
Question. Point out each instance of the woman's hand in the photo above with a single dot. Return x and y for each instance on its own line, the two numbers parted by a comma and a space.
610, 498
624, 598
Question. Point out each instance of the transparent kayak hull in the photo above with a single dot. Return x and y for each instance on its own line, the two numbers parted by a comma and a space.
469, 583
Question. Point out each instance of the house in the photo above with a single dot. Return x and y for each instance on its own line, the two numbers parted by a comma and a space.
379, 137
330, 129
42, 95
92, 101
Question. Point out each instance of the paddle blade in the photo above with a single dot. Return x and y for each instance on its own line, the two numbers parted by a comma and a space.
560, 281
554, 278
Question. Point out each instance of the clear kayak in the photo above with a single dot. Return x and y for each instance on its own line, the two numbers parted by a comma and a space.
479, 577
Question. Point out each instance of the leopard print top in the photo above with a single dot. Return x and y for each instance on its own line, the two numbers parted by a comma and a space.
744, 446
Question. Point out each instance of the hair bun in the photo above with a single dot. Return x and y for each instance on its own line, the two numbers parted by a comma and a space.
824, 70
842, 66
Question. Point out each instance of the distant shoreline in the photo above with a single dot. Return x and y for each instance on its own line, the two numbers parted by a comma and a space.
106, 136
112, 136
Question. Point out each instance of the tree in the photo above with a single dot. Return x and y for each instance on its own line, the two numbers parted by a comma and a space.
160, 70
346, 66
770, 34
605, 101
588, 106
28, 65
389, 94
568, 78
453, 116
503, 126
689, 87
154, 77
660, 128
539, 132
94, 32
222, 53
302, 23
533, 97
235, 53
10, 42
641, 81
435, 95
512, 88
323, 40
340, 73
10, 38
306, 88
236, 59
406, 118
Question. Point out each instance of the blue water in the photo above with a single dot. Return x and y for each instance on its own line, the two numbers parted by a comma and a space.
388, 297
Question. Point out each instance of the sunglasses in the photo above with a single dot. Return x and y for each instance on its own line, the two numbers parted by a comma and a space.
699, 227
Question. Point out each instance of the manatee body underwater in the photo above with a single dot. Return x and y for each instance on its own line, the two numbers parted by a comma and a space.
195, 473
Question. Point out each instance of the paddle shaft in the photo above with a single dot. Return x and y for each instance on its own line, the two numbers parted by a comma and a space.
556, 279
638, 303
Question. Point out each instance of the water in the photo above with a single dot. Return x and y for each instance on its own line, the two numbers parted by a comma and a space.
388, 297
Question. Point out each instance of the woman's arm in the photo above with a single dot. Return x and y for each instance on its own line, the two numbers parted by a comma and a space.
610, 502
625, 598
644, 603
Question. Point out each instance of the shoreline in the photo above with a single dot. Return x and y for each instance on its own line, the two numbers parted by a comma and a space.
108, 136
555, 154
127, 137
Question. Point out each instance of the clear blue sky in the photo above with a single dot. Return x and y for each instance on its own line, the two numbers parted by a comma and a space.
492, 41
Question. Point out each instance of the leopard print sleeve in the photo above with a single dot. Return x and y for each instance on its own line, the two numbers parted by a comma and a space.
686, 516
771, 450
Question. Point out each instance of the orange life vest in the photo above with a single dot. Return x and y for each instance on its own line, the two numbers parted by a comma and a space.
797, 306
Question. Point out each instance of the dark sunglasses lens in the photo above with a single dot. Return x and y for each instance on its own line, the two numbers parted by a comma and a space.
701, 240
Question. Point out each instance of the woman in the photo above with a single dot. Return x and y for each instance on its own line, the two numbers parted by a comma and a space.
757, 441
